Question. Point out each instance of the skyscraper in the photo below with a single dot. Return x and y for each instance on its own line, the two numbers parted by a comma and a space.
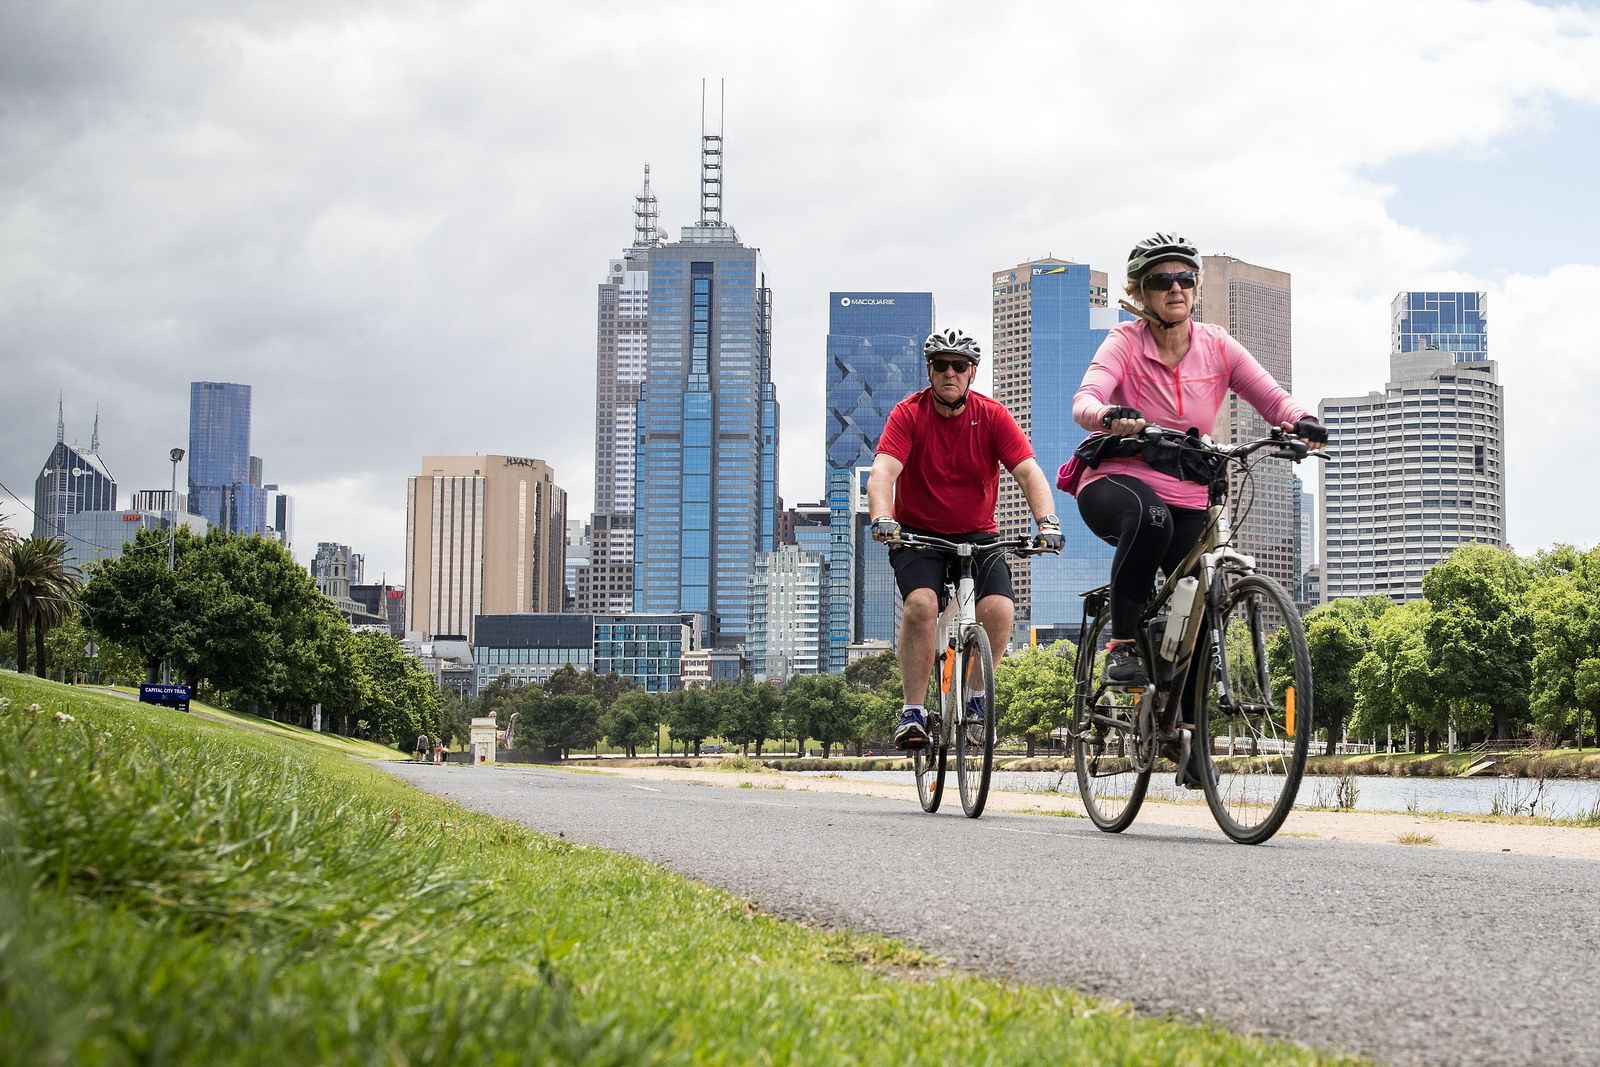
220, 486
73, 480
1050, 317
1252, 304
280, 516
706, 498
485, 535
605, 581
874, 361
1416, 470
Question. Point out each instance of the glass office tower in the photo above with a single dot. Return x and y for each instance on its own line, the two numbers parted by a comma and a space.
1424, 325
1050, 317
874, 361
706, 489
220, 488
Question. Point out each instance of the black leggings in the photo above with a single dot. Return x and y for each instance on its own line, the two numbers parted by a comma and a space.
1149, 533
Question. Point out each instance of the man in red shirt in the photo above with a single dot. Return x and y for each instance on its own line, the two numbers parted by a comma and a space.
937, 471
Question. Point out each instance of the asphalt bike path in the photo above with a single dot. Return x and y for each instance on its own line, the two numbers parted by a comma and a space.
1405, 954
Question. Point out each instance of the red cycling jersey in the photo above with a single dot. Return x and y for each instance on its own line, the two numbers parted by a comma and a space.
952, 465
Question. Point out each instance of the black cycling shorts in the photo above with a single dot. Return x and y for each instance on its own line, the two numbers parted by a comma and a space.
925, 568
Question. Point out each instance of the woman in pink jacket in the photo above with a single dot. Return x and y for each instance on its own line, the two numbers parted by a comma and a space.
1167, 370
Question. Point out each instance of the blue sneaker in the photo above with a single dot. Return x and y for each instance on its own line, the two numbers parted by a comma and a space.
912, 731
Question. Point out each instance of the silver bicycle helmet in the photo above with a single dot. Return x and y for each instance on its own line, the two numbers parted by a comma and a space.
953, 343
1163, 246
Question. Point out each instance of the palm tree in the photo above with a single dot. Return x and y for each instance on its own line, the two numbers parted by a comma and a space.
37, 587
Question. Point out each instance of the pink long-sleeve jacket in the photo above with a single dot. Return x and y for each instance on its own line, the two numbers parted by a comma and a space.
1127, 371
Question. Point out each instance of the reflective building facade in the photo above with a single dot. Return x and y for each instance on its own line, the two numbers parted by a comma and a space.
1050, 317
874, 361
706, 491
220, 487
73, 480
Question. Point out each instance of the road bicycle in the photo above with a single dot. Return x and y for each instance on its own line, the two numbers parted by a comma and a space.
963, 669
1208, 629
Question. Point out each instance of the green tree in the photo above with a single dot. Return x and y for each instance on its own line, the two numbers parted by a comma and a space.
1480, 634
1035, 689
692, 717
499, 699
874, 672
631, 721
133, 601
563, 722
1336, 635
1563, 603
398, 698
1393, 681
37, 594
116, 663
819, 704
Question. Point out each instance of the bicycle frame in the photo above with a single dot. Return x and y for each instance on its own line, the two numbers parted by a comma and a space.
1211, 561
960, 615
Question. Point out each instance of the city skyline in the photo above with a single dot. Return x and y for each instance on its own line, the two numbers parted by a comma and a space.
349, 274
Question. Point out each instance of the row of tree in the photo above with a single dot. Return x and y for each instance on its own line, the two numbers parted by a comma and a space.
237, 619
576, 711
1500, 646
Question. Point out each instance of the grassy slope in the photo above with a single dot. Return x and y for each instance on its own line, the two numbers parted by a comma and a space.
175, 890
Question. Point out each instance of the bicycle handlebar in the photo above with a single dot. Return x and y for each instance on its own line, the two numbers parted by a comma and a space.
1022, 546
1288, 445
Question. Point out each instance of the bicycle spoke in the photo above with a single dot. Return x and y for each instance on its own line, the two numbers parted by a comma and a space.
1112, 767
1251, 739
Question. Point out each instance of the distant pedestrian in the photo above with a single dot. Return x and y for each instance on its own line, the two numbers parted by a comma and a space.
438, 749
422, 748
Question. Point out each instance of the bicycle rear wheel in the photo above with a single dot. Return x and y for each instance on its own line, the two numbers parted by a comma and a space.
1259, 709
1112, 765
928, 763
974, 728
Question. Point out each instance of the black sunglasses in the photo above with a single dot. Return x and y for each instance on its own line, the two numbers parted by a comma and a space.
940, 366
1163, 282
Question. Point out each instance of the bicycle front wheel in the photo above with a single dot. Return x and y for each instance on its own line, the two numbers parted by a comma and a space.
973, 706
928, 762
1255, 704
1111, 761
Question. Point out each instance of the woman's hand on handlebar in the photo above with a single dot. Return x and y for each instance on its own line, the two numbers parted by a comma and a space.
1309, 430
1123, 421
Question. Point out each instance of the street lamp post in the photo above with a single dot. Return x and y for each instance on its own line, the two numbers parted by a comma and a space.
172, 534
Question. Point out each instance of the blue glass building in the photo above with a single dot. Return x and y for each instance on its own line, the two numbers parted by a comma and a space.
220, 488
874, 361
706, 492
1456, 323
1067, 323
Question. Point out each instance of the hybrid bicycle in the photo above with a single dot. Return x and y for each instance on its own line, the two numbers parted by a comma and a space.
962, 670
1206, 636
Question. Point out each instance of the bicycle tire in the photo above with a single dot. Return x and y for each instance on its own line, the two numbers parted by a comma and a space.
1106, 758
1251, 795
928, 763
974, 741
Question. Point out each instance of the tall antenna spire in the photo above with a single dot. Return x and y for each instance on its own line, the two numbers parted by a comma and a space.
646, 213
61, 418
711, 160
94, 441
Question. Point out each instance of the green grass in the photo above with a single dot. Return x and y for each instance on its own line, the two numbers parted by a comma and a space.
177, 890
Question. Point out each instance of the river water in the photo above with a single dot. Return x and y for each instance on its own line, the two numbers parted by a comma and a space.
1560, 798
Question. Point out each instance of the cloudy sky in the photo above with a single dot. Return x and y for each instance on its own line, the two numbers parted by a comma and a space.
389, 218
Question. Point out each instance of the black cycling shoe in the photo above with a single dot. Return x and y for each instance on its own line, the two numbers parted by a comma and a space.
1124, 666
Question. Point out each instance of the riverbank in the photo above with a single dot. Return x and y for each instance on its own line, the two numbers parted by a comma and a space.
1532, 763
1465, 833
